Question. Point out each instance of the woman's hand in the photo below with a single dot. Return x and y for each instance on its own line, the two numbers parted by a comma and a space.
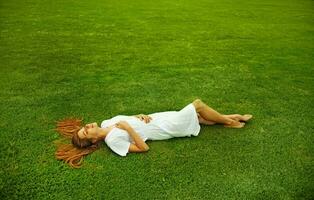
123, 125
142, 117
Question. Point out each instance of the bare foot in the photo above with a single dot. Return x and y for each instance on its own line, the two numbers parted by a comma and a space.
238, 117
246, 117
235, 125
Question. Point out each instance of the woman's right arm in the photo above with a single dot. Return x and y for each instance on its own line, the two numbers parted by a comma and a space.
137, 139
135, 136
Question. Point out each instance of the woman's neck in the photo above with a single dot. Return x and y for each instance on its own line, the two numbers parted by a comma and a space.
103, 132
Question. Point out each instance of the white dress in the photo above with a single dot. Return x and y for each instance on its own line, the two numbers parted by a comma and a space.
163, 126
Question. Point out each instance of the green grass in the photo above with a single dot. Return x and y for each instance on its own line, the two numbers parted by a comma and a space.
97, 59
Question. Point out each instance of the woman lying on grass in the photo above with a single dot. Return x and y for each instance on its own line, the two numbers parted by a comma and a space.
124, 134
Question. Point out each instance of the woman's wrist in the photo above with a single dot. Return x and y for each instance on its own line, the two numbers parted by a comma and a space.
139, 142
129, 128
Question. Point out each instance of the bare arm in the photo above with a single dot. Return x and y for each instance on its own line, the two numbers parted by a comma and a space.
138, 140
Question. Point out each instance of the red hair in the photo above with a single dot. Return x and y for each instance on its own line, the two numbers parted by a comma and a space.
73, 153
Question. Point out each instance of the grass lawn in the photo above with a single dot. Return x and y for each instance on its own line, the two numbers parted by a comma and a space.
97, 59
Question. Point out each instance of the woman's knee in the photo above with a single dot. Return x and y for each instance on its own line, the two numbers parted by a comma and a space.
198, 104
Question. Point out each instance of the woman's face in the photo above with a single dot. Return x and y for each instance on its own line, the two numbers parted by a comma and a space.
89, 131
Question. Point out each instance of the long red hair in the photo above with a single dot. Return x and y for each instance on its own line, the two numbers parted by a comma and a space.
73, 154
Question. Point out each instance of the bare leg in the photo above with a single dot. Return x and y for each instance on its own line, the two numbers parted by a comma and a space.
204, 121
210, 114
236, 117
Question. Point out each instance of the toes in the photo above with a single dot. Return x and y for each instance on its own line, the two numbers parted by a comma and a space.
247, 117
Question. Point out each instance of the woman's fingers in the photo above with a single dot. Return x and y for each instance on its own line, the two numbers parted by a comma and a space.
146, 118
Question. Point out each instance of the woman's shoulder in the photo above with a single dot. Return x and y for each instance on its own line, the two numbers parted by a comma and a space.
108, 122
116, 133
